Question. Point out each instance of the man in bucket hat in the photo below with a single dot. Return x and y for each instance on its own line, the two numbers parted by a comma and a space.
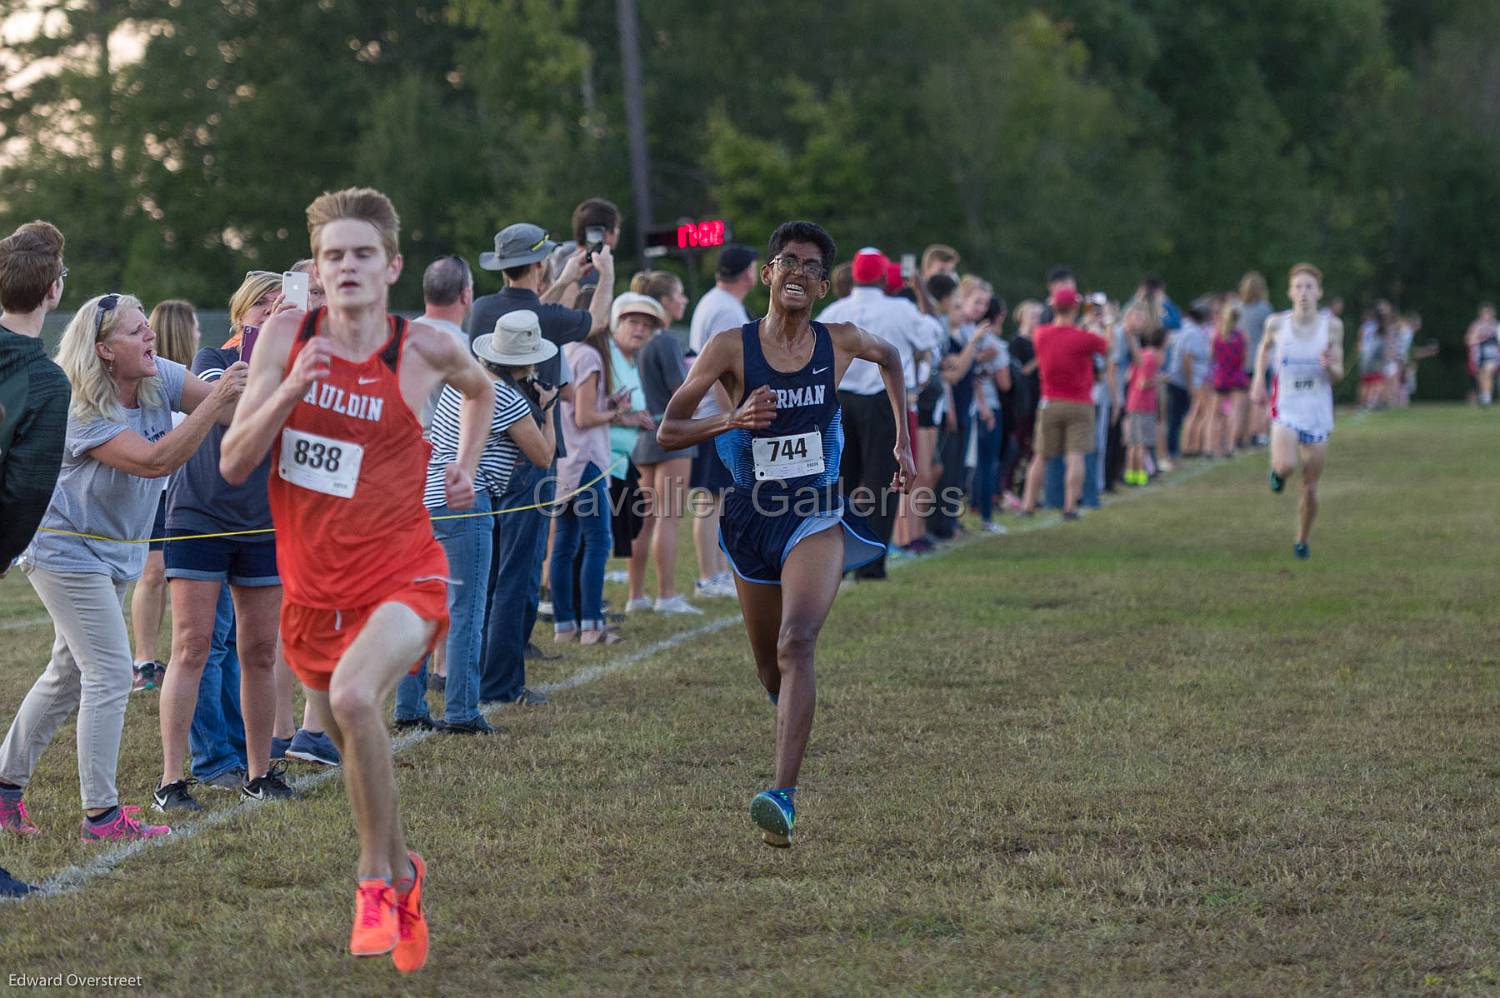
520, 254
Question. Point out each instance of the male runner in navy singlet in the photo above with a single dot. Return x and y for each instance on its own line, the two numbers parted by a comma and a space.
787, 531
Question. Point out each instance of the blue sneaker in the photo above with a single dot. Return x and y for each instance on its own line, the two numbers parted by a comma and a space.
1301, 552
10, 887
278, 747
776, 816
1277, 482
313, 747
775, 698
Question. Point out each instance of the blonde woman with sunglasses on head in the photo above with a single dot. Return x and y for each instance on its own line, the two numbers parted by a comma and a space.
175, 324
121, 446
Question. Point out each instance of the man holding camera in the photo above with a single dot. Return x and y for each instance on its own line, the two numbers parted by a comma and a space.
596, 225
521, 252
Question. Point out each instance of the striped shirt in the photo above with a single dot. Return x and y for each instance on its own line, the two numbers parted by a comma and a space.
500, 451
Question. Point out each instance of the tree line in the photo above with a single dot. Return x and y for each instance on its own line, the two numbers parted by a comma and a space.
1120, 136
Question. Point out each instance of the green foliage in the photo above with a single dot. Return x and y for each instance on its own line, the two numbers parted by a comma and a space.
761, 182
1199, 140
1042, 163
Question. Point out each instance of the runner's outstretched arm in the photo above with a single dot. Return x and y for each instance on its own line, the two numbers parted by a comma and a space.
715, 365
456, 366
1333, 358
854, 342
1258, 375
269, 398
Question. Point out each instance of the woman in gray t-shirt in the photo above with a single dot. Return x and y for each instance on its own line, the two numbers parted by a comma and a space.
120, 448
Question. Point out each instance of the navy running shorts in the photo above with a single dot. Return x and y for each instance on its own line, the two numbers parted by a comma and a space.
757, 542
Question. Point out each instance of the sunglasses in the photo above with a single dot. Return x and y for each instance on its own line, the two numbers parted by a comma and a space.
106, 304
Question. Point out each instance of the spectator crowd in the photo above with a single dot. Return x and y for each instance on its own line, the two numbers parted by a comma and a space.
1066, 395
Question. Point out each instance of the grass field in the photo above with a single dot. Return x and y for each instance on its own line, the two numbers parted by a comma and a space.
1146, 753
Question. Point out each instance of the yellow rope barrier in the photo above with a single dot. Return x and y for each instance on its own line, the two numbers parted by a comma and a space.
271, 530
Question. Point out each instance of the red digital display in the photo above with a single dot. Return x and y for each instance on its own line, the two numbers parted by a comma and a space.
687, 236
701, 235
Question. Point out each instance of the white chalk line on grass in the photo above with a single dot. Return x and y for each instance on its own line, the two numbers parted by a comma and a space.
76, 876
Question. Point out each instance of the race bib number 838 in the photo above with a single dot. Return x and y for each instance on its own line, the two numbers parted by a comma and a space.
321, 464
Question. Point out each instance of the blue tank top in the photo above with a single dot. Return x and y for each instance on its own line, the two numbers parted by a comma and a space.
806, 403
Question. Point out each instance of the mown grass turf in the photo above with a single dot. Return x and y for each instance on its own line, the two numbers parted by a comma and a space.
1146, 753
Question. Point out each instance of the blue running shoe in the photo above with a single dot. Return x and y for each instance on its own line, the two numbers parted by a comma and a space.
10, 887
278, 747
1301, 551
775, 814
315, 747
1277, 482
774, 698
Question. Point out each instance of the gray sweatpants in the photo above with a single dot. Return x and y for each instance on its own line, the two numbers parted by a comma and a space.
89, 670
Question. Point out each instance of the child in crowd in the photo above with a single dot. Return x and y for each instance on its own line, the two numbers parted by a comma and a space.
1231, 381
1140, 401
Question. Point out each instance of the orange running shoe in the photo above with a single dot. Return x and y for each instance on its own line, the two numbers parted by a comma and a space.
411, 952
375, 923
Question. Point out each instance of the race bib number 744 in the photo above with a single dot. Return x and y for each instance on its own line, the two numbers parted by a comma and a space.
791, 456
321, 464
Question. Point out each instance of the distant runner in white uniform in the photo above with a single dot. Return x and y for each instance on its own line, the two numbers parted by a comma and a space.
1305, 350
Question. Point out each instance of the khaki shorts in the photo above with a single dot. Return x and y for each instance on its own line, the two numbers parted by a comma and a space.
1064, 428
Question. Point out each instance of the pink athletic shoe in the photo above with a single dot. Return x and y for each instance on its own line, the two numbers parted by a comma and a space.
14, 817
124, 828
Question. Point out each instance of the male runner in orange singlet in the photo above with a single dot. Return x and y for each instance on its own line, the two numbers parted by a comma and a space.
334, 396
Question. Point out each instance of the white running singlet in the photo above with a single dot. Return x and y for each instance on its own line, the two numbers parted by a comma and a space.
1303, 397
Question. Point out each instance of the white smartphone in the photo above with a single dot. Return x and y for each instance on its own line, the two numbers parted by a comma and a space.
908, 266
294, 289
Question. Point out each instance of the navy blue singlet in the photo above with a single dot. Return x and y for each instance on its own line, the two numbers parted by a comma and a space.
777, 499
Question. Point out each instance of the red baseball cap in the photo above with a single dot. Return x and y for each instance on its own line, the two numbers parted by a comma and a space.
870, 266
894, 282
1064, 300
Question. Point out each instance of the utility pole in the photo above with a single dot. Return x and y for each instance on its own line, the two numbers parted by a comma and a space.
635, 122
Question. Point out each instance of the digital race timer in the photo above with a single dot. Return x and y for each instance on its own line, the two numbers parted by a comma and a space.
701, 235
687, 236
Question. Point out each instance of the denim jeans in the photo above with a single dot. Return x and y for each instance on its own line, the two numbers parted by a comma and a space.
987, 466
544, 493
943, 519
466, 541
218, 733
1179, 401
469, 546
582, 523
515, 584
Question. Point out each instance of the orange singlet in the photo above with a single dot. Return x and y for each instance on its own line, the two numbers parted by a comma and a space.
346, 498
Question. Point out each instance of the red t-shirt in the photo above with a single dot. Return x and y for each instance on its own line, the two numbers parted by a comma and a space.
1142, 397
1065, 356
